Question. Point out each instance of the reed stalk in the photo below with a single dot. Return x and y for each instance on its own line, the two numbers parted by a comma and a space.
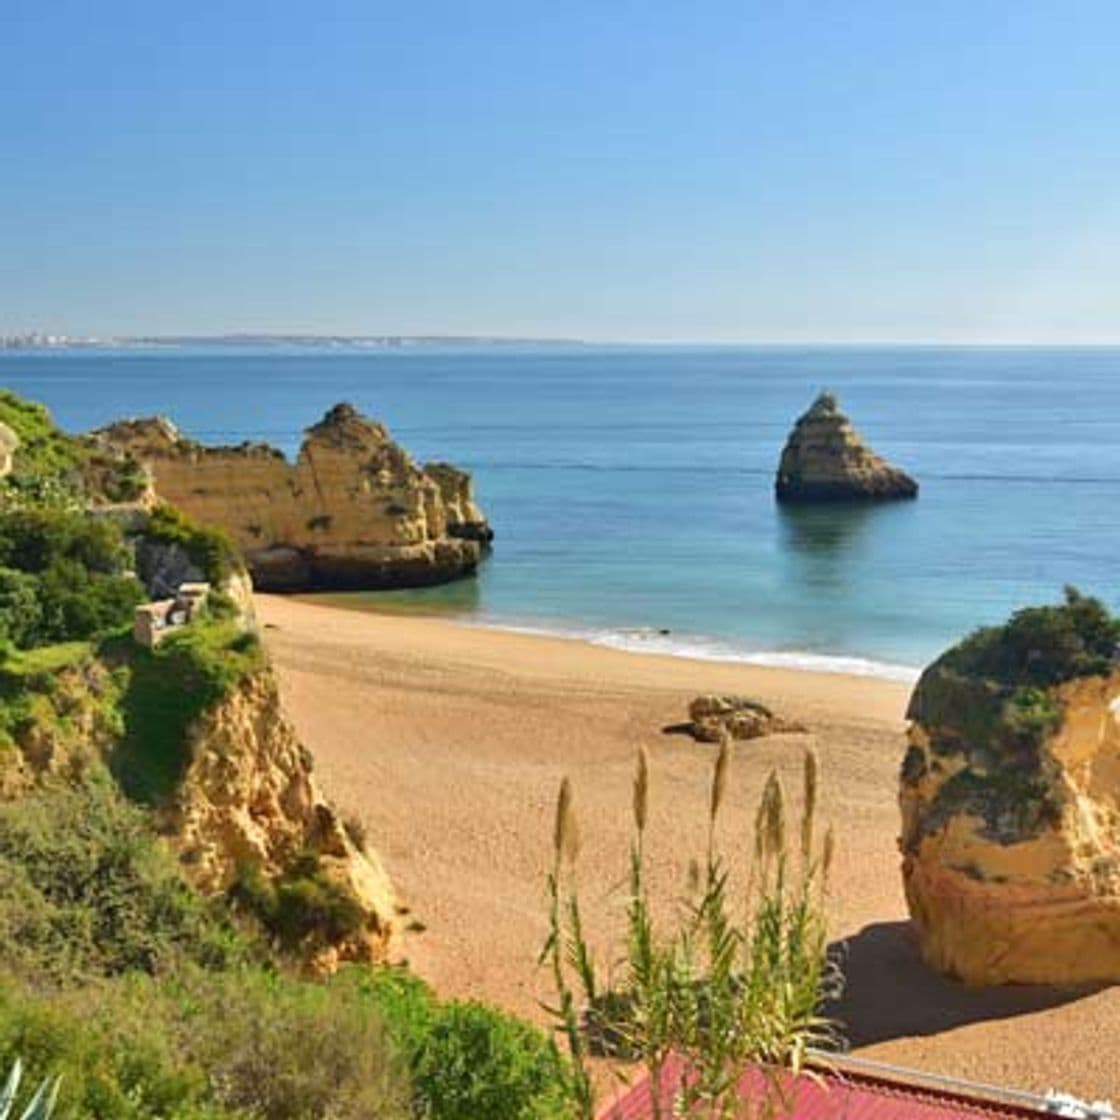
722, 988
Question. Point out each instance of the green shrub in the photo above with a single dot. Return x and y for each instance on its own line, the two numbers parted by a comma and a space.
47, 462
112, 1051
301, 908
475, 1063
21, 613
1040, 646
284, 1049
209, 548
467, 1061
120, 480
86, 890
407, 1004
245, 1043
63, 576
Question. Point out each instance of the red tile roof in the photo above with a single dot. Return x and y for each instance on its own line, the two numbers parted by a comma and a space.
841, 1094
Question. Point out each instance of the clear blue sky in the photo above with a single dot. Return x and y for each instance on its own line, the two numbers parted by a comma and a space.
670, 169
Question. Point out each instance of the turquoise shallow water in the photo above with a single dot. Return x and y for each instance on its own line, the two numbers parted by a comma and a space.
630, 487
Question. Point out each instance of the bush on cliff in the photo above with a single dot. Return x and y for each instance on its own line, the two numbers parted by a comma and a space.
209, 549
47, 461
301, 908
53, 469
993, 688
1042, 646
63, 576
167, 688
992, 699
87, 891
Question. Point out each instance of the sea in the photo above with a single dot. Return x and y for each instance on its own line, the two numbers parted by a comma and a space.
631, 487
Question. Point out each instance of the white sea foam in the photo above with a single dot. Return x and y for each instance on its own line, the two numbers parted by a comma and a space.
701, 648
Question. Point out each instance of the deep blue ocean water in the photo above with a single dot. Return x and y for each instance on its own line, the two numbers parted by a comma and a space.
631, 487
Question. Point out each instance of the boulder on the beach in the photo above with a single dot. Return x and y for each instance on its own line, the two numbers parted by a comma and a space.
826, 460
712, 718
1010, 798
353, 511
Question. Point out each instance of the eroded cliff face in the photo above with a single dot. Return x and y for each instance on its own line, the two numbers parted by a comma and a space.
353, 511
70, 720
1010, 805
826, 460
249, 797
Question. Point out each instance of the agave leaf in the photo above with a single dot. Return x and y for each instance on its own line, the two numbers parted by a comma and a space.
41, 1105
8, 1096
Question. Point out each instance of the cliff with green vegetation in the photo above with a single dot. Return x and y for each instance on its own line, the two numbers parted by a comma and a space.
41, 465
168, 867
191, 728
1010, 796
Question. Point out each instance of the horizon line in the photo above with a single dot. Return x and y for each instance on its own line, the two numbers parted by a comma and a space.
37, 340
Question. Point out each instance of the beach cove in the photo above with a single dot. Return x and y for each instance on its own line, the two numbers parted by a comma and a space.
448, 743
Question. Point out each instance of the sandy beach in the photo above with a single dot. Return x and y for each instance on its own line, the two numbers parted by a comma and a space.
449, 743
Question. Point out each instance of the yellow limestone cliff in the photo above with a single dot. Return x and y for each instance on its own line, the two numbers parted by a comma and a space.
826, 460
1010, 801
353, 510
249, 797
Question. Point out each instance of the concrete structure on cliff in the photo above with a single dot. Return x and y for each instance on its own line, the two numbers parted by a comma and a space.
354, 511
153, 621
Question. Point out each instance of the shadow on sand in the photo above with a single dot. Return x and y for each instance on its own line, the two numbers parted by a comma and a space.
890, 993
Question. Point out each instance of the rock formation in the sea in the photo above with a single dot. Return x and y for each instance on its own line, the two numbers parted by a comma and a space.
826, 460
353, 511
711, 718
1010, 798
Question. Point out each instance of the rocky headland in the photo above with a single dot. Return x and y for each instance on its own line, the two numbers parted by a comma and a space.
826, 460
353, 512
1010, 798
190, 727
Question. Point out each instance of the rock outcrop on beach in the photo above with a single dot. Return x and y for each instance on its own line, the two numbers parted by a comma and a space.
712, 718
1010, 798
826, 460
353, 511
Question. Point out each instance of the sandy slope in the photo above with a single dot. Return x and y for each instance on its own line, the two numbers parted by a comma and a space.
450, 742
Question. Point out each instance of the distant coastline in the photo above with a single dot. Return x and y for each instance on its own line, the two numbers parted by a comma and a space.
34, 341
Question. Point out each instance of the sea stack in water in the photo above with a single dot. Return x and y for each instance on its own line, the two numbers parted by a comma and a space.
353, 511
825, 460
1010, 798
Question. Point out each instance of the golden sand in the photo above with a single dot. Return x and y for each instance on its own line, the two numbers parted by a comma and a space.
450, 743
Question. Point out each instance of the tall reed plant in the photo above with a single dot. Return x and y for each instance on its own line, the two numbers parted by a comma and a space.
734, 983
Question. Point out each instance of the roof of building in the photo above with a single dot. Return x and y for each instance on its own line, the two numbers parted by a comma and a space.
841, 1092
